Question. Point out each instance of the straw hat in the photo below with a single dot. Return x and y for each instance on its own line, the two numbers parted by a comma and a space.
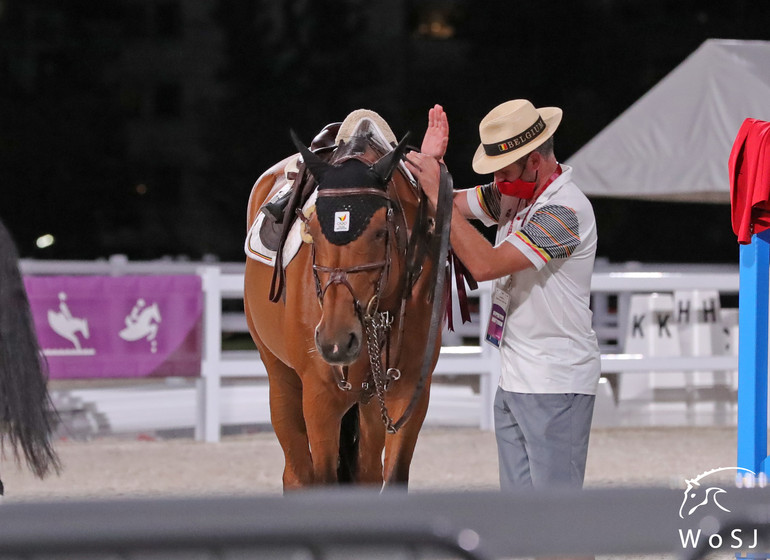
511, 131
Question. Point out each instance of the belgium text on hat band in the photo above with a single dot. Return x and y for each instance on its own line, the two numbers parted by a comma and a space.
499, 148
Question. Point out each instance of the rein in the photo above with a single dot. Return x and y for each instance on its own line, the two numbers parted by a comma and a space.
440, 252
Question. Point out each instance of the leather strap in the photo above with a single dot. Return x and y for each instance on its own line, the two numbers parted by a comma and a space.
440, 251
348, 191
278, 281
462, 276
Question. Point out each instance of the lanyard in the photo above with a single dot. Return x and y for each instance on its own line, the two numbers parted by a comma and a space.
550, 180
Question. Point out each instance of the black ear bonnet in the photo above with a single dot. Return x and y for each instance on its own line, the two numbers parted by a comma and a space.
344, 218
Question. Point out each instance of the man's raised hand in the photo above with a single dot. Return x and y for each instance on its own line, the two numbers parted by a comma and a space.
436, 138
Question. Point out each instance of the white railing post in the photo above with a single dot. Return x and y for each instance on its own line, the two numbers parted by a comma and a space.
207, 417
118, 265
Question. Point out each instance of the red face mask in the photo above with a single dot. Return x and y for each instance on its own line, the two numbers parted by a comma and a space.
518, 188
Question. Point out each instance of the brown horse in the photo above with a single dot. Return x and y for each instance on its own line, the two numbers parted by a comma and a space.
344, 345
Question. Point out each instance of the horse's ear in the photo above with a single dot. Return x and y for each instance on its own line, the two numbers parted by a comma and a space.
316, 165
385, 166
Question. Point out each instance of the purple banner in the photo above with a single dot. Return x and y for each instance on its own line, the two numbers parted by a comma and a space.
127, 326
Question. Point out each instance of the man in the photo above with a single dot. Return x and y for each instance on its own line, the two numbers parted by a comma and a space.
542, 263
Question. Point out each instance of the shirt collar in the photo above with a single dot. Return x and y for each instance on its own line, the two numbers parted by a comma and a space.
550, 190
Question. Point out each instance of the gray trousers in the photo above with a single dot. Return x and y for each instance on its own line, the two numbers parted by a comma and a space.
542, 439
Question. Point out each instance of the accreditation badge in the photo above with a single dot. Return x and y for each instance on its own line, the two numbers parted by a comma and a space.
500, 300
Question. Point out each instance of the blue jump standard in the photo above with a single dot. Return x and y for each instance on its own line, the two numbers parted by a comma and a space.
753, 353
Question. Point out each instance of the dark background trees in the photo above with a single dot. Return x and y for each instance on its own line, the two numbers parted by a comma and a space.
139, 126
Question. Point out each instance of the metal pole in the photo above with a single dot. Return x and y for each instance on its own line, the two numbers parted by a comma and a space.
752, 353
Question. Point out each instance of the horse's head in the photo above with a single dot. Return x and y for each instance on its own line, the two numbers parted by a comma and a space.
354, 238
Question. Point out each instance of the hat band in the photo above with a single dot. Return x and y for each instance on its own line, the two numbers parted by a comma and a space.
499, 148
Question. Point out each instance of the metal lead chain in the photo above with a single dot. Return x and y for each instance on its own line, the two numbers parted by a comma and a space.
377, 326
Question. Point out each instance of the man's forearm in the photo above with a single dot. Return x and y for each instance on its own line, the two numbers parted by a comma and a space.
483, 260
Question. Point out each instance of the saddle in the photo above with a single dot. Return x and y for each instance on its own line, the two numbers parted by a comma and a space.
279, 213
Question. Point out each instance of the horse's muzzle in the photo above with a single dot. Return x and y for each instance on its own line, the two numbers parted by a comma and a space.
340, 350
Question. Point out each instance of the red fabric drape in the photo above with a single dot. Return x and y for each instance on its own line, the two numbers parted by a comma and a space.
749, 170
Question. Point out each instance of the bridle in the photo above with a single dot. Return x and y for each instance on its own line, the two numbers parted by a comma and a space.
375, 324
416, 247
339, 275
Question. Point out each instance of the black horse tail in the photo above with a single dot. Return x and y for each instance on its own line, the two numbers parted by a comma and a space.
25, 406
347, 467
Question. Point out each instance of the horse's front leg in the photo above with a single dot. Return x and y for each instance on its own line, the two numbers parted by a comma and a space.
399, 447
323, 405
370, 444
288, 421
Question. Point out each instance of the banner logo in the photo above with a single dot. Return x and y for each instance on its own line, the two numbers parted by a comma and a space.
70, 328
141, 323
113, 327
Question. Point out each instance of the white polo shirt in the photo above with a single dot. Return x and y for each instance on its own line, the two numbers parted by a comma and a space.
548, 344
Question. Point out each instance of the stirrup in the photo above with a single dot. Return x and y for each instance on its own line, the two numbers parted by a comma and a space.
274, 210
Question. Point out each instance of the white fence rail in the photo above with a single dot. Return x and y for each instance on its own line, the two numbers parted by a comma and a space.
481, 360
225, 282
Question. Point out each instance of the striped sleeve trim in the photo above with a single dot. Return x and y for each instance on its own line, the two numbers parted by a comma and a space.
553, 232
489, 199
541, 257
484, 203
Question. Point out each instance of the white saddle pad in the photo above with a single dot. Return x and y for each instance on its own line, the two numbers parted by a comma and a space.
255, 249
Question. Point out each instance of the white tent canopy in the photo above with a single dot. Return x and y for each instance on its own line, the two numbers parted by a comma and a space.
674, 142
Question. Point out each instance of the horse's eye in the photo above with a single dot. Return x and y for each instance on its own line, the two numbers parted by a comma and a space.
381, 234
